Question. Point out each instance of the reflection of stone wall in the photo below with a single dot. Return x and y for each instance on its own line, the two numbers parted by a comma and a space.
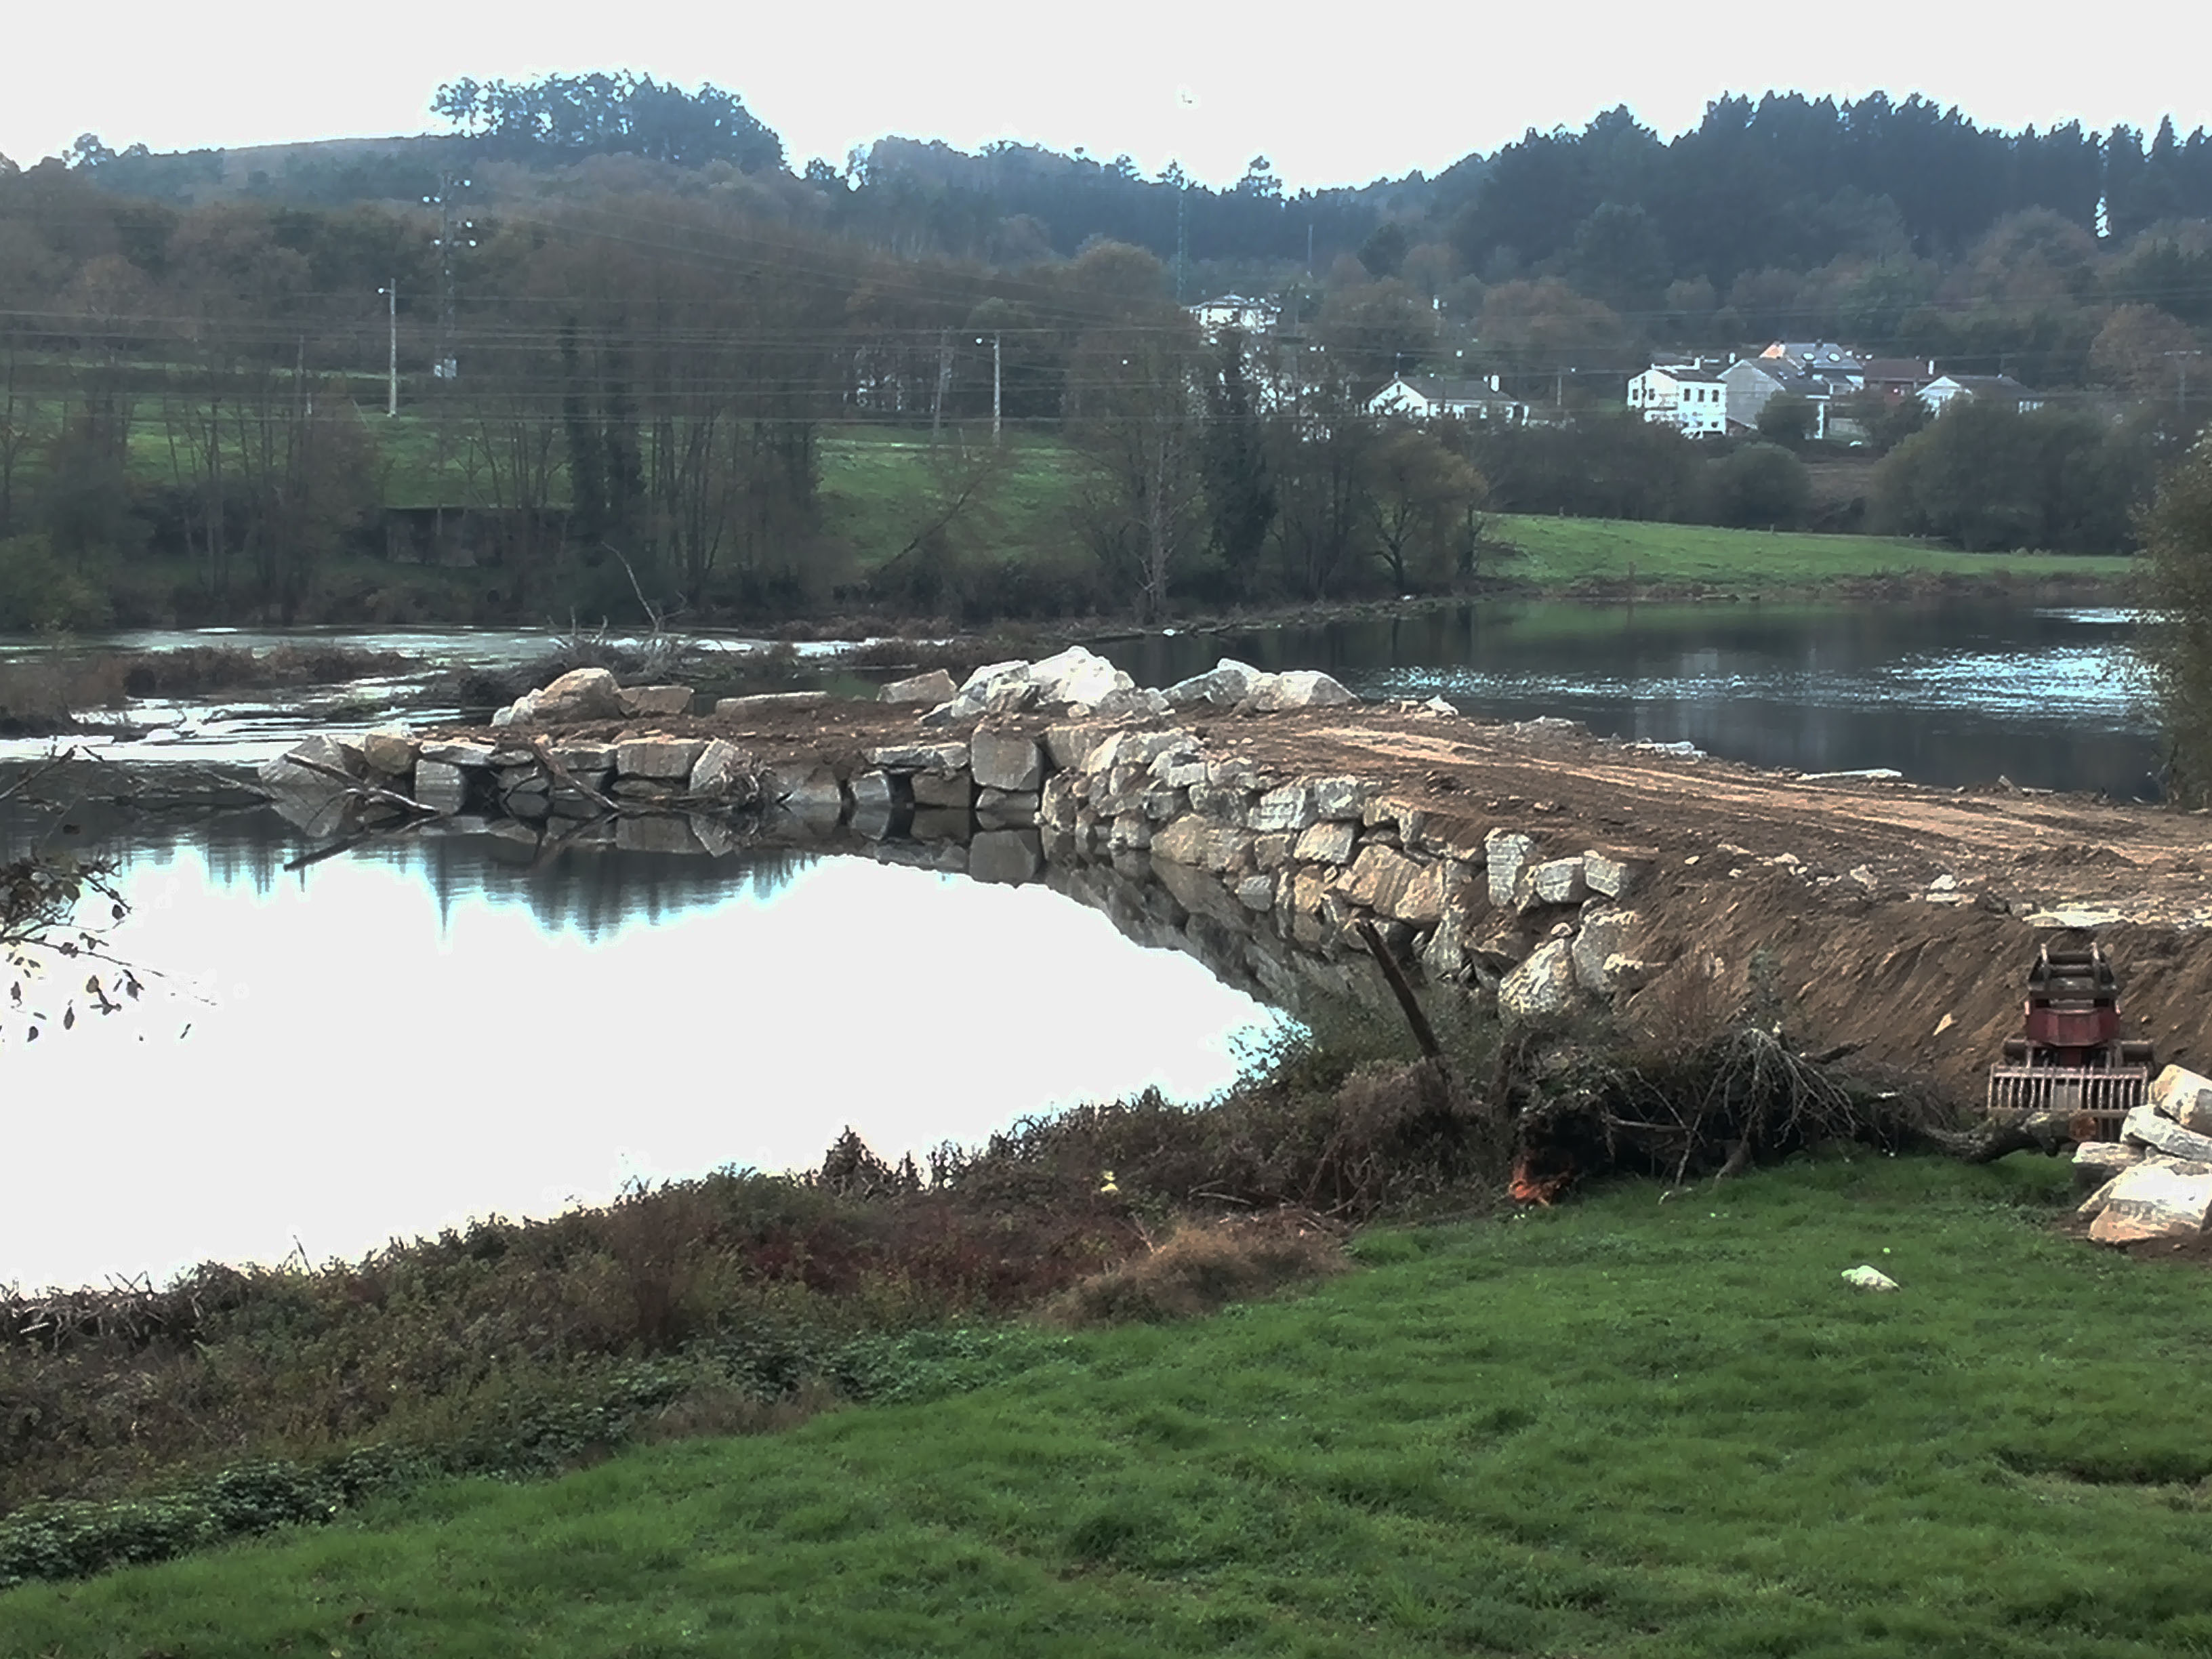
1264, 877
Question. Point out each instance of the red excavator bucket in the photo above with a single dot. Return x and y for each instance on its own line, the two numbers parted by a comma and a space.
2071, 1059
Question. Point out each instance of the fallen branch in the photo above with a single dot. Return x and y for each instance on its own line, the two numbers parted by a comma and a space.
1424, 1034
354, 786
560, 774
2049, 1132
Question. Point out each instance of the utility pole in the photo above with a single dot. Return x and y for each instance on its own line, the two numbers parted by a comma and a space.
944, 380
996, 381
1183, 238
390, 293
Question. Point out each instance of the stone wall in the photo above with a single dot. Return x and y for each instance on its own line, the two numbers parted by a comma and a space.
1265, 877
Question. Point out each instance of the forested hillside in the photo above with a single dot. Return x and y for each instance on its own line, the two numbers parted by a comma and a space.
633, 346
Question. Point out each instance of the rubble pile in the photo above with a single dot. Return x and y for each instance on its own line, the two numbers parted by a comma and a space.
2156, 1181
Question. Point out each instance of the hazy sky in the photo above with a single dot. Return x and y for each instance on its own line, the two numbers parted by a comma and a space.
1335, 97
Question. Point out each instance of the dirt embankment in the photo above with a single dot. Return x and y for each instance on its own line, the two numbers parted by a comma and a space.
1886, 914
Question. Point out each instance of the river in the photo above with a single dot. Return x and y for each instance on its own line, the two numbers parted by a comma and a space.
420, 1032
424, 1032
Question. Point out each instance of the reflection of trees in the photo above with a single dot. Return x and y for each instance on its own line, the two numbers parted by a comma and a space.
586, 891
589, 892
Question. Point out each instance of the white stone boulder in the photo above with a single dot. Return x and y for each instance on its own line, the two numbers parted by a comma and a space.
1543, 987
2152, 1200
1327, 842
717, 769
1071, 745
1077, 677
1505, 853
1202, 844
1005, 759
927, 689
1224, 685
767, 703
2096, 1162
1555, 881
658, 758
1617, 872
581, 694
654, 701
2147, 1127
1300, 688
1289, 807
1599, 949
940, 758
390, 750
462, 753
943, 789
2183, 1096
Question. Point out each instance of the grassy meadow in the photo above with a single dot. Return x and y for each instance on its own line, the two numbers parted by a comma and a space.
1566, 553
1630, 1425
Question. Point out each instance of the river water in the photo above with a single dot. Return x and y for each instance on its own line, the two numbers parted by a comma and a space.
1962, 693
399, 1039
416, 1033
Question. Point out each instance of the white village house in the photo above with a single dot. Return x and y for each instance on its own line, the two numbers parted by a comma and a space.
1430, 398
1940, 394
1693, 400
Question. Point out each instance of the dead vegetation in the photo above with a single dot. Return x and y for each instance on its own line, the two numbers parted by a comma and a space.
1204, 1266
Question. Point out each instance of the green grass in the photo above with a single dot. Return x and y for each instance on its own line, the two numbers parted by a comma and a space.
1624, 1427
1563, 552
879, 491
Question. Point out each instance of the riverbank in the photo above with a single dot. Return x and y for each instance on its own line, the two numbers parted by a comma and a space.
1897, 918
1040, 584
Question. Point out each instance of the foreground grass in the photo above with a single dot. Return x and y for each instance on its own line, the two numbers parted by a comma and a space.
1623, 1427
1565, 552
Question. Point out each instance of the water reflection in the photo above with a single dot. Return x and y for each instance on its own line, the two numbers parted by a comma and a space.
384, 1044
1949, 693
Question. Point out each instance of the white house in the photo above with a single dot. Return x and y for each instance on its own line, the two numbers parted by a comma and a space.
1429, 397
1695, 400
1246, 316
1940, 394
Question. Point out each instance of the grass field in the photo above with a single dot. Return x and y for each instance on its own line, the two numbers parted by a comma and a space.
1563, 552
881, 487
1624, 1427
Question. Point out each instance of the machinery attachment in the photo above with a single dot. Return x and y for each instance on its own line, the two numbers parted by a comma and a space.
2070, 1058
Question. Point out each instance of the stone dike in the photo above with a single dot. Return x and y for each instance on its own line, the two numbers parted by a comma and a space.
1060, 771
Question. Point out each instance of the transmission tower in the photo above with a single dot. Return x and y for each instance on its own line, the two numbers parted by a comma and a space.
454, 232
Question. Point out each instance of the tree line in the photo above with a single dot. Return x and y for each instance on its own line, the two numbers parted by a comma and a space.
651, 348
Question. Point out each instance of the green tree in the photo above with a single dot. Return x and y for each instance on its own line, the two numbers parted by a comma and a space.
1240, 491
1421, 502
1990, 479
2174, 647
1760, 486
1786, 418
1140, 503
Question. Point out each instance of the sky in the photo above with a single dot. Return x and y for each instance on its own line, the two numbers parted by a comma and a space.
1344, 99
